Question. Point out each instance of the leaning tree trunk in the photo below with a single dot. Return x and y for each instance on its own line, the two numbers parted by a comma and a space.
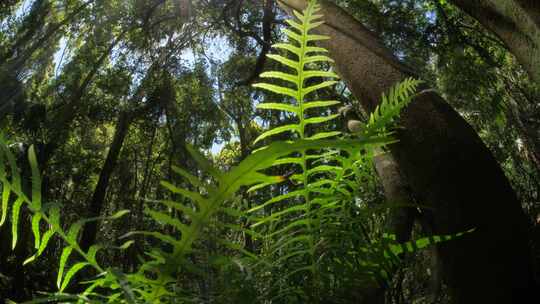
516, 23
448, 168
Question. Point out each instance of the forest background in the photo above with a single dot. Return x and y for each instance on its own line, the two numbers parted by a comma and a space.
111, 93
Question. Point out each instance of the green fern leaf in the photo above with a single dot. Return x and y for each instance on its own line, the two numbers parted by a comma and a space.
71, 272
15, 221
279, 106
277, 89
66, 252
36, 219
42, 246
6, 191
278, 130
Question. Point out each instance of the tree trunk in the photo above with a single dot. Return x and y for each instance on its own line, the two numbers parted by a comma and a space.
516, 23
396, 192
448, 168
90, 229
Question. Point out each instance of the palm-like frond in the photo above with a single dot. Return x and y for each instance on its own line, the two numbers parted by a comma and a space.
48, 213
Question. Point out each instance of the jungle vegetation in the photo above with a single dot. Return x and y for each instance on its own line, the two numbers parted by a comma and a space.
270, 151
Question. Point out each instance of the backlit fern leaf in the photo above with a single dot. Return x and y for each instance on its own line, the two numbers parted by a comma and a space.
49, 214
291, 230
156, 277
391, 106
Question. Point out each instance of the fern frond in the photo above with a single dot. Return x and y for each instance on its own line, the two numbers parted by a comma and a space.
10, 182
391, 106
166, 264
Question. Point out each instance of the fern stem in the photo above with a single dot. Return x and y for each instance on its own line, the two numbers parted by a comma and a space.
305, 177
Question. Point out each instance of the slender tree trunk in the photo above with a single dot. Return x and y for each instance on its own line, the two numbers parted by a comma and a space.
516, 23
396, 192
400, 219
90, 230
448, 168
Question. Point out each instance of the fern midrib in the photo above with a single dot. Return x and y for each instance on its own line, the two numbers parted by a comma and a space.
305, 177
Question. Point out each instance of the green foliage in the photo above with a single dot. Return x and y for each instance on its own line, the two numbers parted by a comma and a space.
48, 214
391, 105
308, 247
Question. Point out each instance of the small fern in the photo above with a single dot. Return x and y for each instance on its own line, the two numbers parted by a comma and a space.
384, 115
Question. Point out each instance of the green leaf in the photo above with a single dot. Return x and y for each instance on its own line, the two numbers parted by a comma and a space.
295, 25
92, 252
320, 104
299, 16
288, 161
288, 62
42, 246
167, 219
15, 175
279, 214
74, 230
190, 177
15, 221
317, 58
298, 223
316, 120
72, 271
119, 214
180, 207
322, 135
314, 25
327, 74
280, 75
315, 49
277, 89
293, 35
54, 217
278, 130
324, 168
288, 47
6, 191
279, 106
318, 86
126, 244
63, 259
196, 197
36, 219
317, 37
278, 198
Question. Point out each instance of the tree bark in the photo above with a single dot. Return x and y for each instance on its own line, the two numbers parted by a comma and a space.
397, 192
516, 23
448, 168
90, 229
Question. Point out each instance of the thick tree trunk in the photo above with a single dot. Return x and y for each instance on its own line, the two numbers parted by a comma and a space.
448, 168
89, 233
516, 23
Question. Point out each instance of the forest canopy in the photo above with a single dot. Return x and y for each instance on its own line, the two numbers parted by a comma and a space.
269, 151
